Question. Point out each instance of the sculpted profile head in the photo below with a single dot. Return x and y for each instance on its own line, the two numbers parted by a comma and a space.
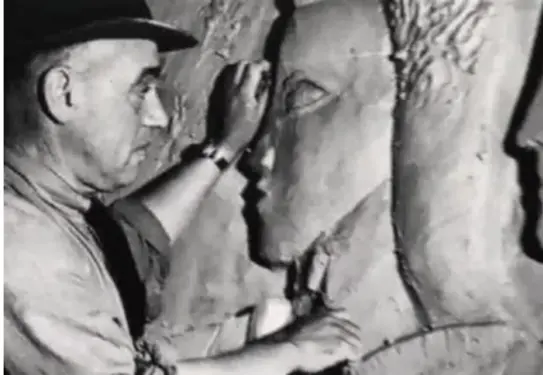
530, 136
328, 139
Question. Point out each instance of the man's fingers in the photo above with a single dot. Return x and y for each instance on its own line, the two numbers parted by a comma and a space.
345, 330
348, 334
262, 101
347, 323
349, 351
264, 83
241, 70
254, 75
350, 344
343, 317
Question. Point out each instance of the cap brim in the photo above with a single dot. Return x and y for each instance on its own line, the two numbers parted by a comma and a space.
167, 37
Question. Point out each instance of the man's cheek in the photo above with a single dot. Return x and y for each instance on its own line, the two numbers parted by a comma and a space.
115, 151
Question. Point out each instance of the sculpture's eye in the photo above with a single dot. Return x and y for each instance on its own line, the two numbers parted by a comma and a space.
302, 94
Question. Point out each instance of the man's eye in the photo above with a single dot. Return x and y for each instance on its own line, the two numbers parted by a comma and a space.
146, 85
145, 88
302, 94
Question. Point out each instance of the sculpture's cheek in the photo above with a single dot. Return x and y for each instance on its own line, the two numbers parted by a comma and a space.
324, 164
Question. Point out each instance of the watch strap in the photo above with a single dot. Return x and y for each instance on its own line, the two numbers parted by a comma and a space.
219, 154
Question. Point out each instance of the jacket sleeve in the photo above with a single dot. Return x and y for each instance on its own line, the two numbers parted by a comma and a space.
57, 319
149, 245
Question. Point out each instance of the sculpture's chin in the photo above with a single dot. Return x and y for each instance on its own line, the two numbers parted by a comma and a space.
272, 258
277, 242
275, 252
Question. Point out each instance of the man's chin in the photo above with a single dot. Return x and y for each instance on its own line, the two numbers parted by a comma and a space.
138, 167
123, 181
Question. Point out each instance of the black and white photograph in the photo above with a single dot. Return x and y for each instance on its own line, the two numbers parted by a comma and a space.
273, 187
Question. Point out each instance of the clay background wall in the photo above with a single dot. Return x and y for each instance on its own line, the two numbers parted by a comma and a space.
214, 274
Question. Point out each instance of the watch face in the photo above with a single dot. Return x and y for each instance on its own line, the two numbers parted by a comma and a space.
222, 163
218, 154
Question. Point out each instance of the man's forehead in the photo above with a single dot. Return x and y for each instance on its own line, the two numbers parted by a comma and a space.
132, 51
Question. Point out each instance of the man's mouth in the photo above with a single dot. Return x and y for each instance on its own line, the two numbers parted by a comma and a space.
140, 152
143, 146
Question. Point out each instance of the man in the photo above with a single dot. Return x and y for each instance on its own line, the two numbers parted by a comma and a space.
81, 111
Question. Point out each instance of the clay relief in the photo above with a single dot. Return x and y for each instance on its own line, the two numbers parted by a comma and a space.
382, 157
326, 161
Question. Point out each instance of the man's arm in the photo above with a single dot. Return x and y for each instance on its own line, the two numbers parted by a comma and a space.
258, 358
84, 340
60, 317
309, 345
57, 321
175, 197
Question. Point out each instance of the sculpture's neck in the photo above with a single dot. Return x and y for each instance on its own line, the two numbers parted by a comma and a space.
337, 252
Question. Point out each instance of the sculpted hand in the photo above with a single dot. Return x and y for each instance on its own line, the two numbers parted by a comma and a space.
246, 91
324, 340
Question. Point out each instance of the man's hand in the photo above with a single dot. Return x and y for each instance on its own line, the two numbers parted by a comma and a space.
246, 88
311, 344
323, 340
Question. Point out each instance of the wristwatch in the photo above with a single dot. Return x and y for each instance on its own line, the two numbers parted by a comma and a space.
221, 155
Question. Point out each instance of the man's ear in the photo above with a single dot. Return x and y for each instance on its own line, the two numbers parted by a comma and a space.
56, 88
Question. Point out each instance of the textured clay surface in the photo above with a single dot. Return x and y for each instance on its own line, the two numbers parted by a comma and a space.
457, 233
387, 130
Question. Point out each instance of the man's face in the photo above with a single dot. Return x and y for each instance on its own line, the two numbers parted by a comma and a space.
118, 112
329, 137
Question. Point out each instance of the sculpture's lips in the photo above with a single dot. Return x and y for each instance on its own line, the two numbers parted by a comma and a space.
263, 187
257, 189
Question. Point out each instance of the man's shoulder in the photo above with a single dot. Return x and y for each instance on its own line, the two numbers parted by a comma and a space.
20, 212
33, 239
24, 221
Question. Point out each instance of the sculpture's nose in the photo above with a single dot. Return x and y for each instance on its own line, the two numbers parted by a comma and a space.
260, 161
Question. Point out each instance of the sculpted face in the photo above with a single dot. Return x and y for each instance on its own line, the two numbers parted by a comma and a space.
328, 142
530, 136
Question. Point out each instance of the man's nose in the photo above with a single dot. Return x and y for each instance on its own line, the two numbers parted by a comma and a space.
154, 114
